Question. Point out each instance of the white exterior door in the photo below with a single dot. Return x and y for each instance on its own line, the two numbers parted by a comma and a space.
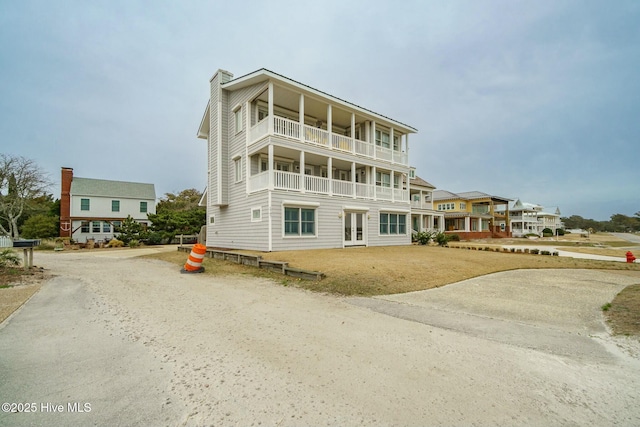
355, 233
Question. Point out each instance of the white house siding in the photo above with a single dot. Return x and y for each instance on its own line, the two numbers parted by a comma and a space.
100, 211
330, 222
233, 227
100, 207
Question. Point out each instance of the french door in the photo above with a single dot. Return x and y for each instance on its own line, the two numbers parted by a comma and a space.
354, 229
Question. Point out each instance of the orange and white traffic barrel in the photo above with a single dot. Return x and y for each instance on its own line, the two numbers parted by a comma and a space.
194, 262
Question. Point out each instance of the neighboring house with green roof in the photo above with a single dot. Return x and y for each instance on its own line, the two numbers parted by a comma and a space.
93, 208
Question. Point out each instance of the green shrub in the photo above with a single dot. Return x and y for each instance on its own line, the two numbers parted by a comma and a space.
560, 231
134, 243
424, 237
545, 253
453, 237
40, 226
441, 238
535, 251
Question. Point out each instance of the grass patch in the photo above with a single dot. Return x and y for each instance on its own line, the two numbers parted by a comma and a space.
623, 313
394, 269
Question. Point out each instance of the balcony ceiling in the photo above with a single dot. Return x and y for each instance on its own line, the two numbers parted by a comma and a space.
313, 108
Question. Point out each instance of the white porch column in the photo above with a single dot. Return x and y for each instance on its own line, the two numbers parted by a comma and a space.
467, 223
329, 125
330, 174
271, 117
391, 140
270, 166
353, 178
301, 117
367, 131
393, 186
247, 166
406, 146
353, 132
373, 182
373, 138
302, 183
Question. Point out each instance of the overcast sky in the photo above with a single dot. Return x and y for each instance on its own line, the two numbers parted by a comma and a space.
537, 100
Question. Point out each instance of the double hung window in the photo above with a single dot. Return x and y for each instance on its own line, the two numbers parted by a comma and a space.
299, 221
393, 223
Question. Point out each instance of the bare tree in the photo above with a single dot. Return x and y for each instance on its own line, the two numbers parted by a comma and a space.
21, 180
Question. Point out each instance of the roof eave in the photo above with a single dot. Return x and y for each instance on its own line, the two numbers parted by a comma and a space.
264, 74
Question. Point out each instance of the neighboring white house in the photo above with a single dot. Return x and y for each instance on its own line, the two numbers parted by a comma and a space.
423, 216
92, 208
292, 167
530, 218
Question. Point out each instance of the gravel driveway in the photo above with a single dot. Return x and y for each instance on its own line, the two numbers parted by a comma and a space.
144, 345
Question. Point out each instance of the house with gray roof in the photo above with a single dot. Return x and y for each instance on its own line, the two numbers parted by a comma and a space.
473, 214
93, 208
531, 218
292, 167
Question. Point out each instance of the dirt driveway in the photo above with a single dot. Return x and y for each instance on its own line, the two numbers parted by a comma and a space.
144, 344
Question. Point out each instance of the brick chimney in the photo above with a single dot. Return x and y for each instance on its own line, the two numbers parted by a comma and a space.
65, 202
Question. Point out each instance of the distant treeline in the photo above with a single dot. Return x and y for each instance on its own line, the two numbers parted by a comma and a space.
618, 223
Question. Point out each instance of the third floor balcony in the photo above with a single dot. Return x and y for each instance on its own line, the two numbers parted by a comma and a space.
292, 130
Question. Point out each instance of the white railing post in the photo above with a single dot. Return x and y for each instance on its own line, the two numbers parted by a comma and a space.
330, 174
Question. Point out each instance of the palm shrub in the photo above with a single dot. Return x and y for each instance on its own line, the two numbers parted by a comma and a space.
8, 258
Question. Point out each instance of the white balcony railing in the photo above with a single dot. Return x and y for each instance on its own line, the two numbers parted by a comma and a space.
291, 181
311, 135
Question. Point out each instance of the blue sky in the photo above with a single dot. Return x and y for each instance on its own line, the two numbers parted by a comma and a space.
537, 100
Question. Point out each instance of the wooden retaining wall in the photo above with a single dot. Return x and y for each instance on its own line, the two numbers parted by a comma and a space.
257, 261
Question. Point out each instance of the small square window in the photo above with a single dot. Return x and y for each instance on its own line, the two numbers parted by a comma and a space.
143, 207
84, 204
212, 219
256, 214
95, 226
84, 228
115, 206
106, 227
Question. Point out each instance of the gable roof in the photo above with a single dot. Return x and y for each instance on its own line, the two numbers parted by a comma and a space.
106, 188
419, 182
467, 195
444, 195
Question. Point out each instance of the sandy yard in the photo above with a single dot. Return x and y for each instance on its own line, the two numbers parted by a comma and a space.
513, 348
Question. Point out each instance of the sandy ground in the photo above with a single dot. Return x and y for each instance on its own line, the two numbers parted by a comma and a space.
146, 345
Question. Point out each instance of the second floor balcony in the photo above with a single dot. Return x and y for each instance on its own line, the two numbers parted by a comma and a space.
291, 181
307, 134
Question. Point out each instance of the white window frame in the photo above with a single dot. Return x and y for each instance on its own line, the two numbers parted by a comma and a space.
300, 206
212, 219
237, 168
257, 218
397, 216
237, 119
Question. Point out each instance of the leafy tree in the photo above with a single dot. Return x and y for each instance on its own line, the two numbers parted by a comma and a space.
21, 181
40, 226
185, 200
177, 214
131, 230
